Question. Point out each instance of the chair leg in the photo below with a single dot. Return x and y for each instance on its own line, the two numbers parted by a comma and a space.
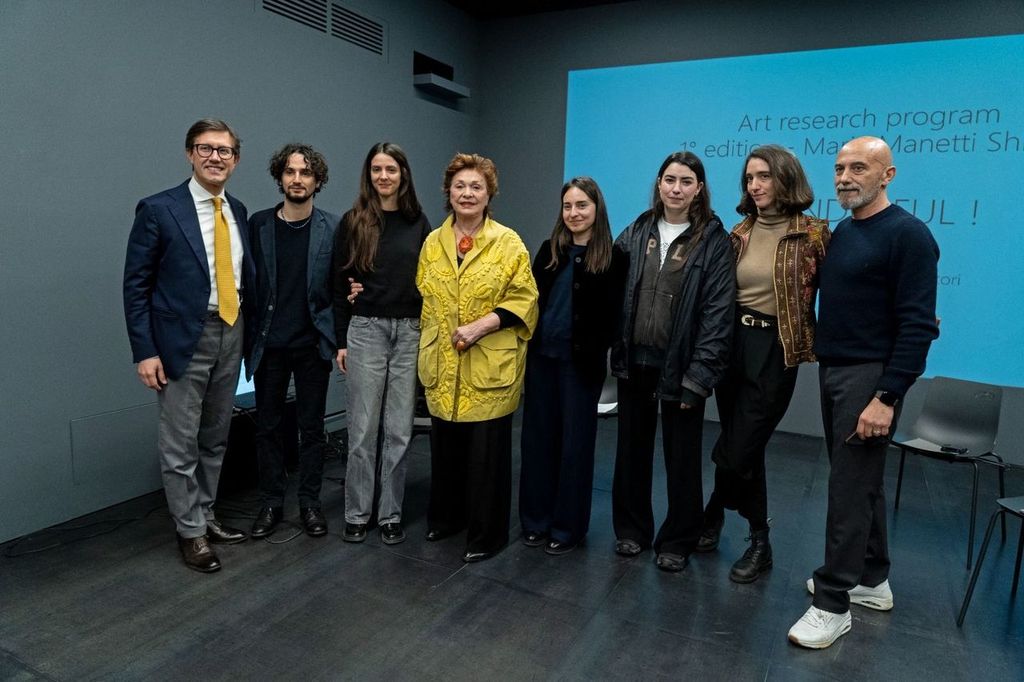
1020, 551
1002, 493
974, 512
977, 569
899, 479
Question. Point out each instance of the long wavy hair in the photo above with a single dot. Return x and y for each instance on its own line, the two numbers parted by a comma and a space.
700, 213
599, 249
367, 218
793, 194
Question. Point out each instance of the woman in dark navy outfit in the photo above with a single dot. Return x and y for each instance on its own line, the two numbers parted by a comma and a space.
580, 275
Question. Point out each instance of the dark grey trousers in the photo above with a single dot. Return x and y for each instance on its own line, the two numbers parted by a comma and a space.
856, 543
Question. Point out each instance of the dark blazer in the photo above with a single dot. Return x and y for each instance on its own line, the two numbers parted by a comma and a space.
167, 277
596, 298
318, 282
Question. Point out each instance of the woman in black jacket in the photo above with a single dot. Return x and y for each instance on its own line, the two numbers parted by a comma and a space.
675, 329
580, 277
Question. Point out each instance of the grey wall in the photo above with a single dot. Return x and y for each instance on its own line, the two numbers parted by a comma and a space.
522, 94
95, 98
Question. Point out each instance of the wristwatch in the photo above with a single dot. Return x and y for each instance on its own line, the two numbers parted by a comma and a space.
887, 398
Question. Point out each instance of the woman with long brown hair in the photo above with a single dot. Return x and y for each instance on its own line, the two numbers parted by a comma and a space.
676, 325
378, 245
579, 275
778, 253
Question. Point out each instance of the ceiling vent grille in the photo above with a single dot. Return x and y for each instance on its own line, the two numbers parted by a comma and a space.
357, 29
312, 13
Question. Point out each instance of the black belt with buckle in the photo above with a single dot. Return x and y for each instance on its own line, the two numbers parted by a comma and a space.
748, 320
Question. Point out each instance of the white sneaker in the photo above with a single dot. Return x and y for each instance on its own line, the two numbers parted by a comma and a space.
819, 629
878, 598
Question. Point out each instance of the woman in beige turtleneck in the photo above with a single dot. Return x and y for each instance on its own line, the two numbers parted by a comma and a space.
778, 251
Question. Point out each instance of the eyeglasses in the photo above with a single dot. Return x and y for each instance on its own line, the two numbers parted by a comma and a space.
205, 150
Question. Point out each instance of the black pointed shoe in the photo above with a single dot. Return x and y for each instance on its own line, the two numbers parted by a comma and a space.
266, 522
314, 521
557, 548
534, 538
219, 534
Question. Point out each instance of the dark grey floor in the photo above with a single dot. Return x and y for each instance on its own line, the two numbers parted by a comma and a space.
122, 606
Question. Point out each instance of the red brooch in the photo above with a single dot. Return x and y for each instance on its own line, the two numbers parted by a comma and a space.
465, 245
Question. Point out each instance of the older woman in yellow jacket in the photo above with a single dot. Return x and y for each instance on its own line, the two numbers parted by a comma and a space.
479, 310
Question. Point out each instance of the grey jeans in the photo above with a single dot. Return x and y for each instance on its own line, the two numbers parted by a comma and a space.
381, 400
195, 419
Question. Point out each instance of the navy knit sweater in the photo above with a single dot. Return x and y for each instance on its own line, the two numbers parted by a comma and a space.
877, 296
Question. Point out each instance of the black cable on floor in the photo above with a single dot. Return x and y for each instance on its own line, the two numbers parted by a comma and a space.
10, 553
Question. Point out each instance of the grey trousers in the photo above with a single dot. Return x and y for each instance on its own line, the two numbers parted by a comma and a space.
381, 401
195, 418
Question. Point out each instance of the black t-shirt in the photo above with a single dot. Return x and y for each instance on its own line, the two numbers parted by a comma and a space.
291, 325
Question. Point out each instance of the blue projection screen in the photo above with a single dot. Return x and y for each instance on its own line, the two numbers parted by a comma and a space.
952, 111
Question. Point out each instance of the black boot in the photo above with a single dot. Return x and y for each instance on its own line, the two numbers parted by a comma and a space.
755, 561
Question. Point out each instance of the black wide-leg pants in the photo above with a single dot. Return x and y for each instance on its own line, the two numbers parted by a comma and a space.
682, 431
471, 481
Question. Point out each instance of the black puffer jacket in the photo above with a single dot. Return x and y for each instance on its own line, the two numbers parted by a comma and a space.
594, 298
702, 325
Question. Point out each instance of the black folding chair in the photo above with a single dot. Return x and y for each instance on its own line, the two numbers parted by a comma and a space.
1008, 505
958, 424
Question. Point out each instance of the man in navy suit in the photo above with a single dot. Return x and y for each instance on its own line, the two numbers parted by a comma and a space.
187, 261
292, 333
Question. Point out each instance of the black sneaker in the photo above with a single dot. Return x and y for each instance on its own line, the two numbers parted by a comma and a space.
392, 533
354, 532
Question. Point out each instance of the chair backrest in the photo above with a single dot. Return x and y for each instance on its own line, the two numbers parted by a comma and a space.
961, 414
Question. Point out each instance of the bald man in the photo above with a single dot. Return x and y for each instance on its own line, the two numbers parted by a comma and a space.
876, 324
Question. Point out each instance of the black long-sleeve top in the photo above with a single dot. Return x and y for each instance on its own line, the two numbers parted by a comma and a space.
877, 296
389, 290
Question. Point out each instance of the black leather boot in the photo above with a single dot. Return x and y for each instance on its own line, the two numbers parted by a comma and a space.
755, 561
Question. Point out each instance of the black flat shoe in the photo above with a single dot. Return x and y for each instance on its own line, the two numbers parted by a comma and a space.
392, 533
533, 538
673, 563
710, 536
435, 535
314, 521
556, 548
628, 548
220, 534
266, 522
354, 532
473, 557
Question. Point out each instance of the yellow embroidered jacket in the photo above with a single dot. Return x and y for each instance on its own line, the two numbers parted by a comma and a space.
484, 381
797, 260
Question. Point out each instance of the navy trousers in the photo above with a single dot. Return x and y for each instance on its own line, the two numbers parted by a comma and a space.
559, 434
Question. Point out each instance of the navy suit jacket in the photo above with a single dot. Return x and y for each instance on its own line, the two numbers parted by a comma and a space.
167, 277
318, 282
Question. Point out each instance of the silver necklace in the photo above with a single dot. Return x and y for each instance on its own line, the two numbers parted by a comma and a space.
280, 214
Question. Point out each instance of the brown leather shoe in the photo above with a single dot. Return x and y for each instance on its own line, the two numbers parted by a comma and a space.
220, 534
198, 555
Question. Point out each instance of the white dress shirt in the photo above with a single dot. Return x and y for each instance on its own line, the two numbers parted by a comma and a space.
204, 209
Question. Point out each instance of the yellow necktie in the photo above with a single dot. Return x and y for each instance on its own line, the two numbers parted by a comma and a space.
227, 295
